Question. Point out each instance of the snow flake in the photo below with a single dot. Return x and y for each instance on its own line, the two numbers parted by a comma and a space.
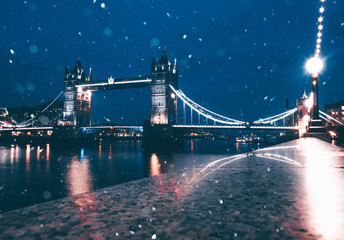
33, 48
154, 236
12, 51
107, 31
10, 61
185, 36
155, 42
102, 5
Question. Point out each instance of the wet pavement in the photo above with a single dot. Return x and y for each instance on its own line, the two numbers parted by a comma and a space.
289, 191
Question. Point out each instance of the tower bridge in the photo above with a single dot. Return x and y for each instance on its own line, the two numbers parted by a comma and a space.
78, 89
163, 81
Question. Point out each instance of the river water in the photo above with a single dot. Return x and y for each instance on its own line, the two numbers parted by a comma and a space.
32, 174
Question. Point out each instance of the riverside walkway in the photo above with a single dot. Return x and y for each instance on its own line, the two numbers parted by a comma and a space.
289, 191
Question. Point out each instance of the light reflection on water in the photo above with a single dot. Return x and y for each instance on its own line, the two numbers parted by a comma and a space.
79, 178
154, 165
36, 173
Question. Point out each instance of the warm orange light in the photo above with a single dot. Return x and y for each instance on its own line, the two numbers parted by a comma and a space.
38, 152
48, 152
28, 150
332, 133
154, 165
309, 102
79, 180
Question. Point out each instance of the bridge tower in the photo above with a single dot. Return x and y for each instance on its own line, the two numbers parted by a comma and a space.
77, 103
164, 101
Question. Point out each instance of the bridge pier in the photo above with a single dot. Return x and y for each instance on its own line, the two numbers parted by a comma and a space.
162, 137
67, 134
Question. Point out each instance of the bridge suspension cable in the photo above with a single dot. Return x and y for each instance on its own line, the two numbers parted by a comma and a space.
273, 119
328, 118
34, 119
203, 111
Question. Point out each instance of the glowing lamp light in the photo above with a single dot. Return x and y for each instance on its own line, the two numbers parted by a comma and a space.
314, 65
309, 103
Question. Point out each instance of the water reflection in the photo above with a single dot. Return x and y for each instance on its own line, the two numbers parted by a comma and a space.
79, 179
48, 156
154, 165
110, 152
324, 192
70, 170
27, 157
12, 154
38, 152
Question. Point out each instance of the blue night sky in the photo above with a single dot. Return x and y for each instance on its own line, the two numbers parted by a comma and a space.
240, 59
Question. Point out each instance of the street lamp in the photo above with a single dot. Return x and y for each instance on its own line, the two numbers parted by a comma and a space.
314, 66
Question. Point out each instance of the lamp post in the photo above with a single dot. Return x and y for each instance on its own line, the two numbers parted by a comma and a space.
314, 66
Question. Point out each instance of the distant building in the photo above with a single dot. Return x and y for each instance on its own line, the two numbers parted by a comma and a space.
298, 118
336, 110
77, 103
302, 110
21, 114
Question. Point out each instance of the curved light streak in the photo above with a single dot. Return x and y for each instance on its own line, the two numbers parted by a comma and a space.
279, 158
329, 117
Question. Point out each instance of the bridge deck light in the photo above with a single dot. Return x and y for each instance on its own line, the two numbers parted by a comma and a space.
314, 65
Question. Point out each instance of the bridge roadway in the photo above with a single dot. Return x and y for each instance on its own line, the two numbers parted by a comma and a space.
121, 83
242, 127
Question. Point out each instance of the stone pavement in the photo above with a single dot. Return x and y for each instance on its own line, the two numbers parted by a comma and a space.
289, 191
